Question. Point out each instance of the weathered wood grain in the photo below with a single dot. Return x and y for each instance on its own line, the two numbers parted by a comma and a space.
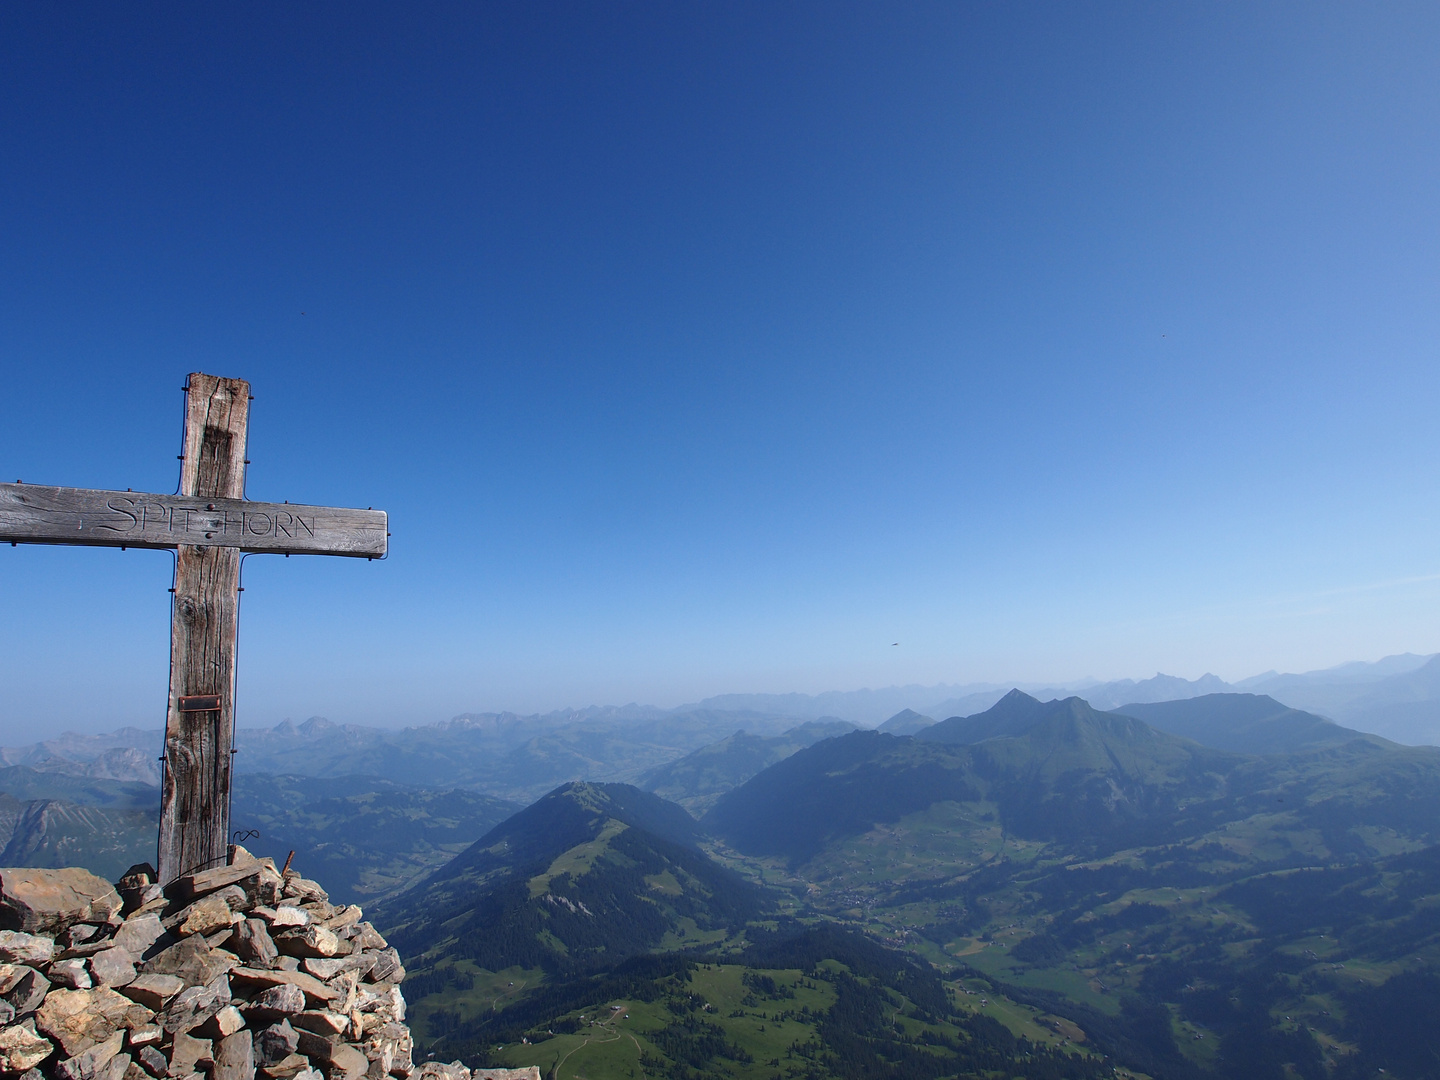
195, 791
35, 514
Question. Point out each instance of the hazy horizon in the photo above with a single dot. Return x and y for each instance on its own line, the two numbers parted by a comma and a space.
918, 697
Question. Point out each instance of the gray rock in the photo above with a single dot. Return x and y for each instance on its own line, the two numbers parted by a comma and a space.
390, 1048
276, 1002
7, 1013
308, 941
118, 1068
191, 959
48, 901
152, 1061
204, 916
90, 1062
326, 970
28, 992
153, 991
276, 1043
344, 918
439, 1070
17, 947
321, 1022
254, 945
145, 1035
367, 937
224, 1023
112, 967
70, 973
188, 1055
387, 968
195, 1005
305, 890
138, 933
317, 1048
235, 1057
78, 934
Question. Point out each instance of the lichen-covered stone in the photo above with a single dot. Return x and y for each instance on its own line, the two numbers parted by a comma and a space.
78, 1019
289, 915
22, 1048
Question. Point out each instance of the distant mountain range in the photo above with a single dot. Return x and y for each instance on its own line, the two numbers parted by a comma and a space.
1397, 697
1176, 905
1246, 724
1160, 882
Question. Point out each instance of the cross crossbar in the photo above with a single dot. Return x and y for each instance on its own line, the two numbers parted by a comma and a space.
35, 514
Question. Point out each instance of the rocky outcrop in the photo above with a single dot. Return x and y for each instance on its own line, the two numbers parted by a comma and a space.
232, 974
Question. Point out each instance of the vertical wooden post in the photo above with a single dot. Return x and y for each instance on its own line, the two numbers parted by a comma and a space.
195, 798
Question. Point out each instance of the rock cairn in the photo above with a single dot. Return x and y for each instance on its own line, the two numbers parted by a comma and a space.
230, 974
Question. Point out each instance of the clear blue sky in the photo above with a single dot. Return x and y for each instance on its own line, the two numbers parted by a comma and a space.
707, 347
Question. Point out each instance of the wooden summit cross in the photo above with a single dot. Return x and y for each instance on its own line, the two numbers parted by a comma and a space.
208, 525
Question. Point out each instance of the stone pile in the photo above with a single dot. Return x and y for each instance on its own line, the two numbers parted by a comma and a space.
232, 974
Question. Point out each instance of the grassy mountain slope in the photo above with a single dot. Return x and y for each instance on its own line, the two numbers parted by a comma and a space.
1090, 777
588, 875
698, 779
1244, 724
1160, 894
1014, 714
818, 1004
